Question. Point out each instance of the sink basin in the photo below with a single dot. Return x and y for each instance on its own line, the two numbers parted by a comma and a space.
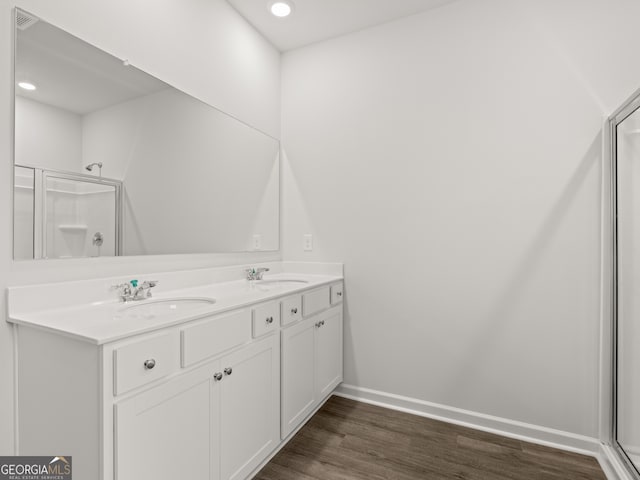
275, 283
280, 281
165, 306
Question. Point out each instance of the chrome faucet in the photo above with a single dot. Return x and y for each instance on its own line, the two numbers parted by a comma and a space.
131, 291
255, 273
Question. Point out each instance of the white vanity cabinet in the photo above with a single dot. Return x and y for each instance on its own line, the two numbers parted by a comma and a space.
311, 359
218, 421
298, 383
205, 399
249, 408
328, 351
169, 432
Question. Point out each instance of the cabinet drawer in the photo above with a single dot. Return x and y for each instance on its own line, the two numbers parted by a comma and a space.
214, 335
315, 301
145, 361
266, 318
337, 293
291, 309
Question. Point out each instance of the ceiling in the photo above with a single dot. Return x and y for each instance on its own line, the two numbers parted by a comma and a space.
73, 75
316, 20
80, 78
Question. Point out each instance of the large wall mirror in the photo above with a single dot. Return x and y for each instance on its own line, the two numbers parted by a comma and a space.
112, 161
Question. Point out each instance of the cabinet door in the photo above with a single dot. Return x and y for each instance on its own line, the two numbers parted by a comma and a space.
249, 407
167, 432
328, 364
298, 385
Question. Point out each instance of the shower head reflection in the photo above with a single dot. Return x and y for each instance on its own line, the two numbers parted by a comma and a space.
91, 165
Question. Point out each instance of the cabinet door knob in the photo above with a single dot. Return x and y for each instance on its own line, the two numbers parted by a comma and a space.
149, 364
294, 310
228, 371
339, 294
217, 376
269, 320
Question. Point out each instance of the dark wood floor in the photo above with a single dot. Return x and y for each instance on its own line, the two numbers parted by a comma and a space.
349, 440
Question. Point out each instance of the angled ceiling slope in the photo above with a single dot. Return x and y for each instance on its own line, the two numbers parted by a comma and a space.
316, 20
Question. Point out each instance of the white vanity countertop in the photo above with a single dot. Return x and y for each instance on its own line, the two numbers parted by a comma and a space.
100, 322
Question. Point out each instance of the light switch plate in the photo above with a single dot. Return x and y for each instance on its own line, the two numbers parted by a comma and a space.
307, 242
257, 241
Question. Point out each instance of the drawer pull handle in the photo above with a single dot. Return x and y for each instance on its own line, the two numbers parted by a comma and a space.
217, 376
319, 324
149, 364
269, 320
228, 371
339, 294
322, 323
294, 310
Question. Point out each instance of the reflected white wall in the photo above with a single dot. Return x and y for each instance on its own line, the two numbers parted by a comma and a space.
23, 213
195, 179
47, 137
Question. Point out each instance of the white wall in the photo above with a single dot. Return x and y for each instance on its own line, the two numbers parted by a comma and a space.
48, 137
202, 47
452, 161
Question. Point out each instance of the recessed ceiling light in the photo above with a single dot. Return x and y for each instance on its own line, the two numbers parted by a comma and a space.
27, 85
281, 9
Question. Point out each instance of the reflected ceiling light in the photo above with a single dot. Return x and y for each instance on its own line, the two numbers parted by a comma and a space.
281, 9
27, 85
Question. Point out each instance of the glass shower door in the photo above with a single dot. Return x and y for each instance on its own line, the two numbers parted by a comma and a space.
627, 301
81, 216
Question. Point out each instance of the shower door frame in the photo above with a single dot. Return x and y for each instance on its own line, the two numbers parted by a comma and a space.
621, 114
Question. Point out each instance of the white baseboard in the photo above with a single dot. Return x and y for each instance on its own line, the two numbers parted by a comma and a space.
501, 426
606, 456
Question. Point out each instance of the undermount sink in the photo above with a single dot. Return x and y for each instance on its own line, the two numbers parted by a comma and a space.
274, 283
165, 306
282, 281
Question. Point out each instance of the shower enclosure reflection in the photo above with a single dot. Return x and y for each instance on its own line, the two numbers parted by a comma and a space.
64, 215
626, 161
